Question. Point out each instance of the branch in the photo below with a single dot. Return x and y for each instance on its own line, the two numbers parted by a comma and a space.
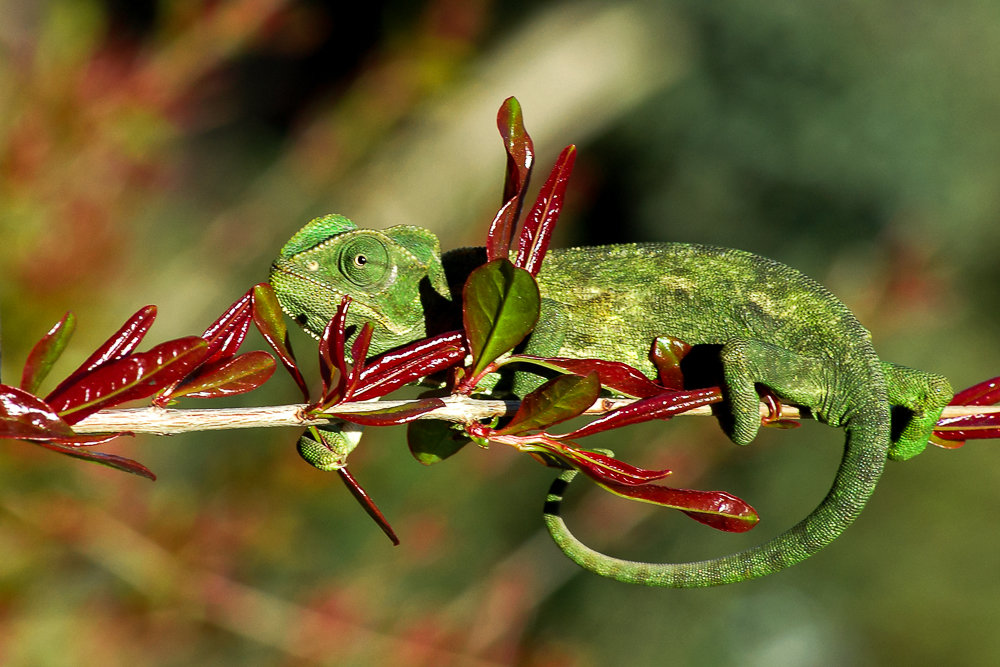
167, 421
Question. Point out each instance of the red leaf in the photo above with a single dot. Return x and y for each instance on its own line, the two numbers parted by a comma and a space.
666, 355
391, 416
391, 370
359, 350
542, 217
520, 156
663, 406
367, 503
89, 440
24, 416
227, 333
122, 343
984, 393
110, 460
718, 509
332, 365
227, 377
614, 375
498, 238
45, 353
269, 321
134, 377
378, 385
603, 468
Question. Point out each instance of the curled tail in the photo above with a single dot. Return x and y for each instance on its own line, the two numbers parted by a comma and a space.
864, 458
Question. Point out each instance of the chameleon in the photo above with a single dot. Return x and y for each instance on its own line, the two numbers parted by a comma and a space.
752, 323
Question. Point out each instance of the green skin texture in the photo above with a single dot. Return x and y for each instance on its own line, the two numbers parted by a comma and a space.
763, 324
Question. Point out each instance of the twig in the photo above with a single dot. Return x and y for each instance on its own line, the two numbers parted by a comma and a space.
167, 421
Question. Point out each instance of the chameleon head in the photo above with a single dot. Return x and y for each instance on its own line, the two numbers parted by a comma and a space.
380, 270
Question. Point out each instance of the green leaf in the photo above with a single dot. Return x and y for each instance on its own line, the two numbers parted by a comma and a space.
557, 400
500, 307
45, 353
433, 440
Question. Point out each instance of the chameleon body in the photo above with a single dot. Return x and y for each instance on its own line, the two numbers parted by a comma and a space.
752, 322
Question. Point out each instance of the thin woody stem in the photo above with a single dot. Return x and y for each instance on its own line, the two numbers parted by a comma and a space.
167, 421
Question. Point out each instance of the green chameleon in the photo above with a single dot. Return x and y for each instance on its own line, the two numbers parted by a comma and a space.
752, 322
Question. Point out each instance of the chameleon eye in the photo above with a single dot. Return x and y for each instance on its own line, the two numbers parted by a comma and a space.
364, 261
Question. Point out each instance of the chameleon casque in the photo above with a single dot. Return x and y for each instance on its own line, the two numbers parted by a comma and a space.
753, 323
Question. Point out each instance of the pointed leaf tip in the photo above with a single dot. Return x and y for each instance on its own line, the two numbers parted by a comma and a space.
500, 307
559, 399
46, 352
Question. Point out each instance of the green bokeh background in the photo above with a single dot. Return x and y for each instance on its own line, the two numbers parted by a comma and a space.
161, 152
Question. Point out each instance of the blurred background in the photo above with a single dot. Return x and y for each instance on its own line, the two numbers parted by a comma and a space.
161, 152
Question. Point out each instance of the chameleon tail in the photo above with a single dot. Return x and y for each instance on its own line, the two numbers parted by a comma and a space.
864, 458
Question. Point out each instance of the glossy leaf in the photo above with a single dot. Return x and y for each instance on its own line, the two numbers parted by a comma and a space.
664, 406
984, 393
119, 345
332, 365
391, 416
614, 375
46, 352
268, 318
500, 307
433, 440
227, 333
952, 432
227, 377
969, 427
24, 416
89, 440
559, 399
134, 377
666, 355
520, 156
718, 509
499, 237
110, 460
359, 351
391, 370
541, 219
603, 468
368, 504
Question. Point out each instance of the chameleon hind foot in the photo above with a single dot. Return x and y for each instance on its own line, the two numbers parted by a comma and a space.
922, 396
